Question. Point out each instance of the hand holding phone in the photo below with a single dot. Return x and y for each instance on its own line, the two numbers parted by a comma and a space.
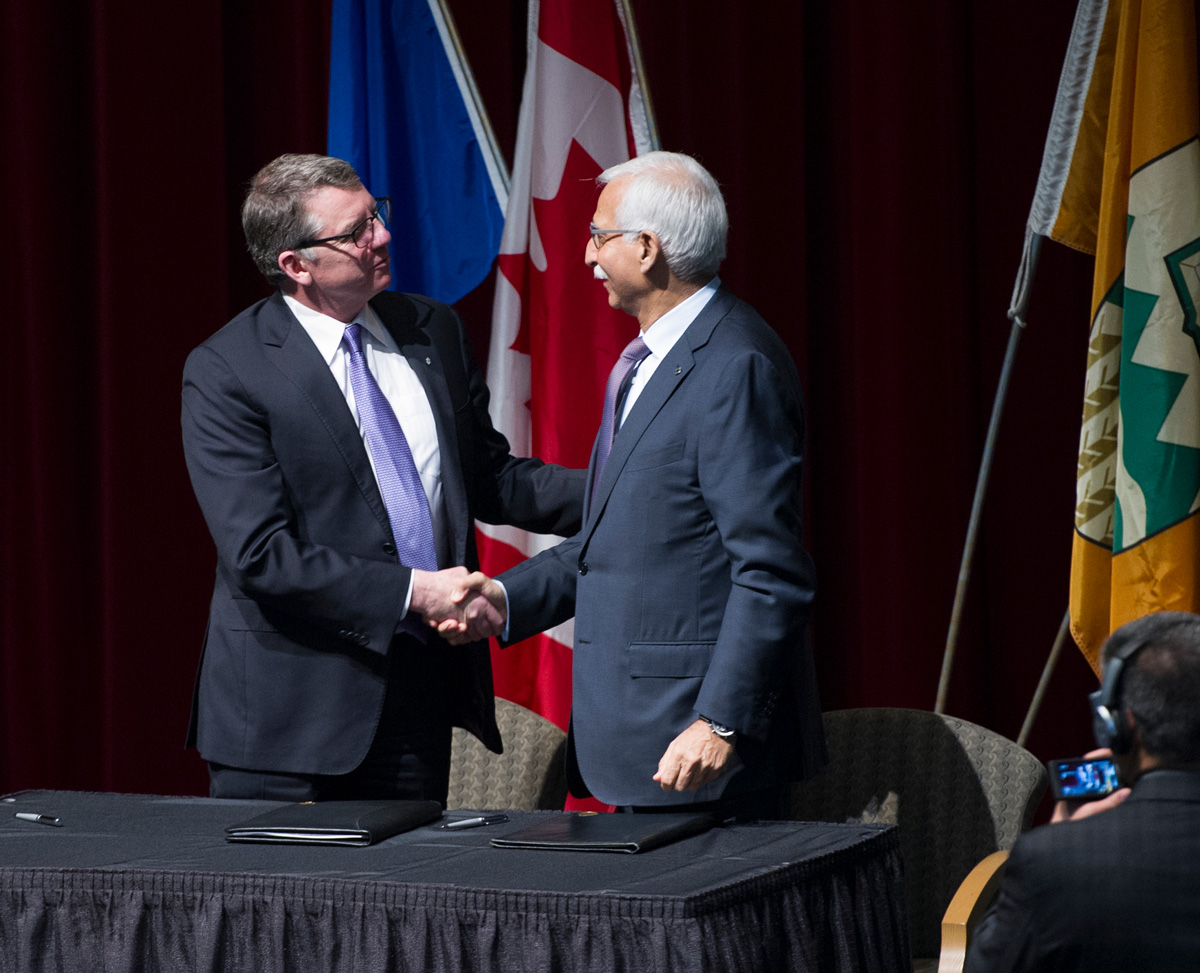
1082, 778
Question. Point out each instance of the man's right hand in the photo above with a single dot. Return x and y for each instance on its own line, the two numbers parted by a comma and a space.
438, 595
463, 606
483, 612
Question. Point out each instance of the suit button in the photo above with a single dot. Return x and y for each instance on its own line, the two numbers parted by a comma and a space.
583, 567
389, 548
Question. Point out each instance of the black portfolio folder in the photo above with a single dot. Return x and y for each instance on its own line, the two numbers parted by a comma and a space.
588, 831
356, 823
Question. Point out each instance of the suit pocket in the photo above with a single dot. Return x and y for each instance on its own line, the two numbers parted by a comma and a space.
247, 616
659, 456
669, 660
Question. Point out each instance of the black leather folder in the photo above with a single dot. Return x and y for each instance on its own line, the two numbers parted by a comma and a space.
355, 823
588, 831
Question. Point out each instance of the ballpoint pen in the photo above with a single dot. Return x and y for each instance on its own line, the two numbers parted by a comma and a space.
38, 818
478, 822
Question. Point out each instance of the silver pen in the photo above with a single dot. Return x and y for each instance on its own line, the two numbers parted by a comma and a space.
478, 822
38, 818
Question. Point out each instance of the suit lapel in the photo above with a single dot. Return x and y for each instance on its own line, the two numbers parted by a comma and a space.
670, 374
294, 354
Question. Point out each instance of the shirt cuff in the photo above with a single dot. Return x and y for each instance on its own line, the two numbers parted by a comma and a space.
407, 601
507, 616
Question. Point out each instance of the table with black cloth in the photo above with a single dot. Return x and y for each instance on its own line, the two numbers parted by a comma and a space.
135, 882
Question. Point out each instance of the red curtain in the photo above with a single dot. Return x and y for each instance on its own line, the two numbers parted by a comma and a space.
878, 161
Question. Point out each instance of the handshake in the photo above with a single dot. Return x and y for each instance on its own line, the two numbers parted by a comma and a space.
464, 606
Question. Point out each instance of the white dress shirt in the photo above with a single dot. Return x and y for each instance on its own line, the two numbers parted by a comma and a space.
402, 389
661, 336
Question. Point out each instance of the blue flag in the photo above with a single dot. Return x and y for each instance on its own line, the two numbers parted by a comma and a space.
404, 112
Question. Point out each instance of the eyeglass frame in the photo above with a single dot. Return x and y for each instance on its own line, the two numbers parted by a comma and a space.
596, 231
383, 204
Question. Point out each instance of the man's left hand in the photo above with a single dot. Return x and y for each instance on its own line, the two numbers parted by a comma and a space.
696, 757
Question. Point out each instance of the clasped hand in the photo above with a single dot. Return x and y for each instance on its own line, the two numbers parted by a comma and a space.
463, 606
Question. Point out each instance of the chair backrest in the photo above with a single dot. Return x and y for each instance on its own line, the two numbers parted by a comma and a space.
529, 775
958, 791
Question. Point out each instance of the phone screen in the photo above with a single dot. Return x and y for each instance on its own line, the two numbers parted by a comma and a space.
1082, 780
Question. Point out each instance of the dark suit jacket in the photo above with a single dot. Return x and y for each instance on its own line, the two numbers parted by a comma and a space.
308, 590
689, 582
1117, 891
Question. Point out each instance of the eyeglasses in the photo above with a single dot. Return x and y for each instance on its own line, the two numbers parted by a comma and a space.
601, 237
363, 233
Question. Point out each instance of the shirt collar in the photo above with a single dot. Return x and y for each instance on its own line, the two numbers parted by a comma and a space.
326, 332
661, 336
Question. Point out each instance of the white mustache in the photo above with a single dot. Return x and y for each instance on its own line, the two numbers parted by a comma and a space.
598, 273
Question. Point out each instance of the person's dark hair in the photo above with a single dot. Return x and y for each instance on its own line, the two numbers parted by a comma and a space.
275, 213
1161, 683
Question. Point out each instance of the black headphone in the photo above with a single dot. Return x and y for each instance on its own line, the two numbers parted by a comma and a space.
1108, 722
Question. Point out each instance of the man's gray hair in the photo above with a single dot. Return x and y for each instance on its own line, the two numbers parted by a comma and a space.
675, 197
275, 214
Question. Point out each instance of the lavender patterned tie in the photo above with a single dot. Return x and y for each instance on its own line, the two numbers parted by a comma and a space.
634, 352
395, 471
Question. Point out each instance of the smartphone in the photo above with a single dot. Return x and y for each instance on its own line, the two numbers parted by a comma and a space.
1079, 779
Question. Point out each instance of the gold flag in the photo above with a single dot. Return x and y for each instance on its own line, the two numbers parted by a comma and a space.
1121, 179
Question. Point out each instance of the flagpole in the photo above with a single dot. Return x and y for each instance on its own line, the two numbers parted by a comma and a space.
639, 71
493, 146
1040, 693
1016, 314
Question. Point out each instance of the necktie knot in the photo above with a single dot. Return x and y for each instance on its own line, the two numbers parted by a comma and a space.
353, 338
635, 351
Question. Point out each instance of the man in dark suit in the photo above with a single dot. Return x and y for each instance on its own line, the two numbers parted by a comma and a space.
1115, 884
689, 583
338, 441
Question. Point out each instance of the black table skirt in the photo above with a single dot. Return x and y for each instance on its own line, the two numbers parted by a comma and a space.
133, 883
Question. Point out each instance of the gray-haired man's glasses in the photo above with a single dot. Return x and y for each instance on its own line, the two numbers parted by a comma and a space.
601, 236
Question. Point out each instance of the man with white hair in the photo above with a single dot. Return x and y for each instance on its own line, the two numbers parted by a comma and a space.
689, 582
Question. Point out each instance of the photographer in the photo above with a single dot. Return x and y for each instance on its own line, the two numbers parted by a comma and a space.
1115, 883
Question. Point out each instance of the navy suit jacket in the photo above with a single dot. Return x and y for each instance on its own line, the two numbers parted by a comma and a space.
689, 582
309, 590
1116, 891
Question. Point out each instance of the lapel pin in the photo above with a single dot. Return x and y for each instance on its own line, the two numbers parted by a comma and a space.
428, 361
678, 369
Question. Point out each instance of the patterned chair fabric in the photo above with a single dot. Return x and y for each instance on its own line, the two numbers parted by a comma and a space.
530, 774
958, 791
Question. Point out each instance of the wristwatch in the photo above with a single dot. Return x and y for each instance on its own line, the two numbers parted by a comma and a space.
726, 733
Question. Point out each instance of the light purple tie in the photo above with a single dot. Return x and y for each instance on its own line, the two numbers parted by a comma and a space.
395, 471
634, 352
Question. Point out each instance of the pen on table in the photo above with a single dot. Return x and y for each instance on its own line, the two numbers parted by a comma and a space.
475, 822
38, 818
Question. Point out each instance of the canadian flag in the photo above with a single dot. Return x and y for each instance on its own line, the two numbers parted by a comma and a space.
554, 337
